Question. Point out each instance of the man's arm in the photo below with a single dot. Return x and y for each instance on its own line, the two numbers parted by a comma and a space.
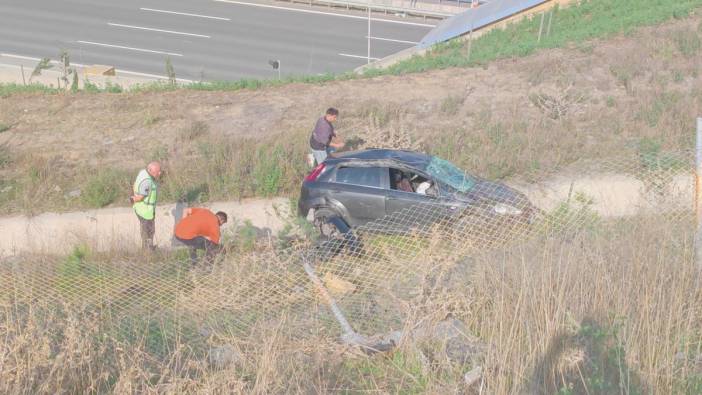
336, 142
142, 191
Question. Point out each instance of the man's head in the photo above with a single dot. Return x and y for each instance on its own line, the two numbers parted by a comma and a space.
331, 114
221, 217
154, 169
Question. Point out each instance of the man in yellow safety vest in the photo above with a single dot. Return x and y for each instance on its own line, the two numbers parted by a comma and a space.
145, 195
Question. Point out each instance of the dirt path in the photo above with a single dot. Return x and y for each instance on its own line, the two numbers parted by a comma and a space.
609, 195
118, 228
614, 195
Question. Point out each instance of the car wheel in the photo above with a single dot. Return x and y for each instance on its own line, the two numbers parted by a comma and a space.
335, 234
326, 229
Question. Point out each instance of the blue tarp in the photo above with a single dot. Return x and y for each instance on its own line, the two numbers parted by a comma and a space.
476, 18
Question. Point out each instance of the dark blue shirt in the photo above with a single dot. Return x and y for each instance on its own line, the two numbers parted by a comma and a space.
322, 134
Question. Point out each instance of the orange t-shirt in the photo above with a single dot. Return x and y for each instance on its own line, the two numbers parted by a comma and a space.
201, 222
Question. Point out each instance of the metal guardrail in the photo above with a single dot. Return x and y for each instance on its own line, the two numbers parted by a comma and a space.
349, 5
477, 18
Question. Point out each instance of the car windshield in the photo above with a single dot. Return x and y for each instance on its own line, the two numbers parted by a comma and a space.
447, 173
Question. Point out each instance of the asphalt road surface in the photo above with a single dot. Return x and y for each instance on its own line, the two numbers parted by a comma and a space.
205, 39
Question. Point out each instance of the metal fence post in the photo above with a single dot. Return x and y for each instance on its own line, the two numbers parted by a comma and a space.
350, 336
698, 194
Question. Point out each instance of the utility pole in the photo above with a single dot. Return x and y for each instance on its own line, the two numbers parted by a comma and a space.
698, 195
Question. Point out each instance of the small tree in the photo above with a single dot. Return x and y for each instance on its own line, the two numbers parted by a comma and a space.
170, 72
67, 71
65, 66
43, 64
74, 84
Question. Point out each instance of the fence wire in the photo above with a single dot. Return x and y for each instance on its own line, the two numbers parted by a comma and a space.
379, 275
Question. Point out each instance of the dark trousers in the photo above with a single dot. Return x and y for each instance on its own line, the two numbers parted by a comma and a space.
201, 243
148, 229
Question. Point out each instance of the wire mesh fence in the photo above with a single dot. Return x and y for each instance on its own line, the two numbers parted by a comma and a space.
371, 282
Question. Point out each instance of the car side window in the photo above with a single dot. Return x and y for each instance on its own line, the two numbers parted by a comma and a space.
365, 176
411, 182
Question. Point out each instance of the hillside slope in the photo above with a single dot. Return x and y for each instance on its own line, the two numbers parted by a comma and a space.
640, 91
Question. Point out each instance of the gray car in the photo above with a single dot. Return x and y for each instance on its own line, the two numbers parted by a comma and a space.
404, 188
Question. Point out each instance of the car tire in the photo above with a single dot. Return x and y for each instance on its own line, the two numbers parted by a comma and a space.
321, 222
345, 238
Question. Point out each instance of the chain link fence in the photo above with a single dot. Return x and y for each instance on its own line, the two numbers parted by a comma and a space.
369, 286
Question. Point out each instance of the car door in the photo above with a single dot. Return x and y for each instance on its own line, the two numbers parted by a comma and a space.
408, 205
412, 209
361, 191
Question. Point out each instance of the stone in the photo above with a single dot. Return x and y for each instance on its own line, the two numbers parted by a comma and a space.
74, 193
461, 346
473, 376
337, 285
222, 356
204, 332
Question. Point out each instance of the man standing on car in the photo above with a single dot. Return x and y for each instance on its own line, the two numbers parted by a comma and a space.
199, 230
145, 194
324, 137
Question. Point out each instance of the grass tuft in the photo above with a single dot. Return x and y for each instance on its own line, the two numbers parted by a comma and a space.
105, 188
193, 131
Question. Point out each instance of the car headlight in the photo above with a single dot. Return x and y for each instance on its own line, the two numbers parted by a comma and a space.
506, 209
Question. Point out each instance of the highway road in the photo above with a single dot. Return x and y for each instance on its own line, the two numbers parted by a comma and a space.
205, 39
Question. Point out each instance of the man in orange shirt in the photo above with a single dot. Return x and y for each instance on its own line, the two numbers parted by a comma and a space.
199, 230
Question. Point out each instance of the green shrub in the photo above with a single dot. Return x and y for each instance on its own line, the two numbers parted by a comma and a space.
90, 87
246, 236
604, 370
12, 88
150, 119
451, 104
105, 188
193, 131
688, 42
267, 171
112, 88
5, 155
653, 158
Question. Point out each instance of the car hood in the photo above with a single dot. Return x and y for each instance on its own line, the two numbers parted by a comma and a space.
493, 192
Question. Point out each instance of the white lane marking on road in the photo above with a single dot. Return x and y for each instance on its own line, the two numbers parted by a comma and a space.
323, 13
156, 30
357, 56
393, 40
129, 48
184, 13
121, 71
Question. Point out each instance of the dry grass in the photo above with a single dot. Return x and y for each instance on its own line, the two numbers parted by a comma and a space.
612, 307
635, 293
